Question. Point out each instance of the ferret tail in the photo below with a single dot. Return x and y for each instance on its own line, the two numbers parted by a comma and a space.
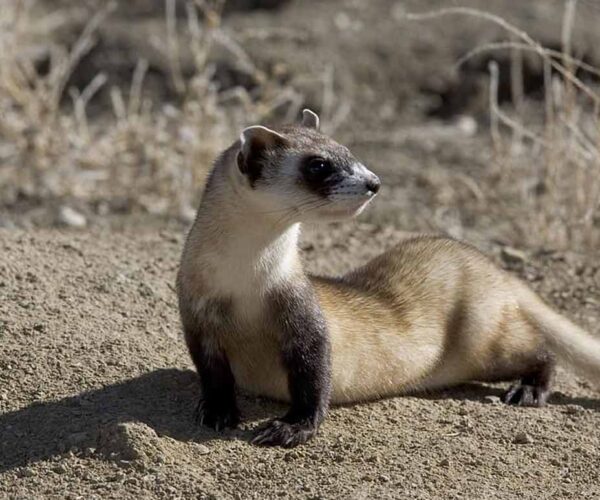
570, 343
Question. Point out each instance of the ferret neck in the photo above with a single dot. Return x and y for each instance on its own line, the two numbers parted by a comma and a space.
242, 248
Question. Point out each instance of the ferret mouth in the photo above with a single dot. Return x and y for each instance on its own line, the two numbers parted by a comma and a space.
348, 208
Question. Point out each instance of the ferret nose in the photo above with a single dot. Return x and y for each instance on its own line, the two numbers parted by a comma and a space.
373, 184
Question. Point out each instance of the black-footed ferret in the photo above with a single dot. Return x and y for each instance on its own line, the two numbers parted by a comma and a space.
432, 312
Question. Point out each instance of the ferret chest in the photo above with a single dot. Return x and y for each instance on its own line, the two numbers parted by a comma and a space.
253, 347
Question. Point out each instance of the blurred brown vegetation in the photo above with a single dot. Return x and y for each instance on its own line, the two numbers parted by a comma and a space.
120, 107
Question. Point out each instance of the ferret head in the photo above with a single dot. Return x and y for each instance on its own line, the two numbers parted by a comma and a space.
299, 174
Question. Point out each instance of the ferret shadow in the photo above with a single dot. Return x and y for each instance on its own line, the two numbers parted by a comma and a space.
164, 400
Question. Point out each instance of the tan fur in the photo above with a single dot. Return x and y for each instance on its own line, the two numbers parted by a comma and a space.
432, 312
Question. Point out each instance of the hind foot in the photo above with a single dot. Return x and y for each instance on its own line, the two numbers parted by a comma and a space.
521, 394
534, 388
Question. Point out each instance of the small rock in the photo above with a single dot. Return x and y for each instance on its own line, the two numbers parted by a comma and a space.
39, 327
117, 477
513, 256
26, 473
60, 469
523, 438
494, 400
145, 290
467, 125
445, 462
202, 449
574, 409
71, 217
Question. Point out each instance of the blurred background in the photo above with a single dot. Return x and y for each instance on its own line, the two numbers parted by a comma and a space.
482, 123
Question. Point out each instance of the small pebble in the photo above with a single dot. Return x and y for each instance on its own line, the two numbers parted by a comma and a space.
513, 256
26, 473
202, 449
71, 217
523, 438
467, 125
574, 409
494, 400
60, 469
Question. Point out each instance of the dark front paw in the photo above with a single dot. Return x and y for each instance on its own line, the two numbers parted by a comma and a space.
280, 433
216, 416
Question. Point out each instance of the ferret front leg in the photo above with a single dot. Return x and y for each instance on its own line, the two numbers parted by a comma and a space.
306, 356
217, 408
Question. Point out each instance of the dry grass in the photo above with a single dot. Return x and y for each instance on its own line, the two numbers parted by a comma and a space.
544, 179
547, 168
141, 154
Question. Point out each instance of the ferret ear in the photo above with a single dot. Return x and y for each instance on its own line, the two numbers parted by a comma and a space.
310, 119
255, 141
260, 137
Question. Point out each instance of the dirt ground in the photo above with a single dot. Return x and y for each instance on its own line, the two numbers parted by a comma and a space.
97, 391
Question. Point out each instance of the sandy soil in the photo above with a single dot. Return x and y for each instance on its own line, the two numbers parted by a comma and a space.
97, 391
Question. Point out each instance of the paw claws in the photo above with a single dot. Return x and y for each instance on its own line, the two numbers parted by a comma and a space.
525, 395
199, 412
279, 433
257, 439
217, 418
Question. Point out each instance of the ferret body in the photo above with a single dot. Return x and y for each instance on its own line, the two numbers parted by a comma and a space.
431, 312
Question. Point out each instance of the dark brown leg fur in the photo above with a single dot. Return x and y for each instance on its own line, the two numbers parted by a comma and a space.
217, 408
534, 387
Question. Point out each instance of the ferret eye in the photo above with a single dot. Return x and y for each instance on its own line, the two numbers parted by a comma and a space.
318, 168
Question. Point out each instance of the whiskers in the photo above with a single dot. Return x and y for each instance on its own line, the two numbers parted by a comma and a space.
300, 209
288, 214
